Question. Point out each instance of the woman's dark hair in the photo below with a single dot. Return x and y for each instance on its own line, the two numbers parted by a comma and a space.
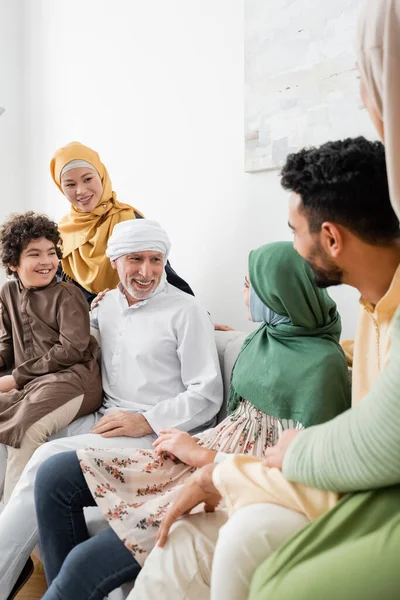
19, 230
344, 182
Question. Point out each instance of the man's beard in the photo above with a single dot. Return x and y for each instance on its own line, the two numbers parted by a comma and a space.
328, 274
137, 294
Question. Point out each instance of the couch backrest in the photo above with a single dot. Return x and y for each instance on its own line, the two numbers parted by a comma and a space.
229, 344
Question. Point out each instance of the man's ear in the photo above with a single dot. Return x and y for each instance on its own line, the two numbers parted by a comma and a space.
332, 239
114, 264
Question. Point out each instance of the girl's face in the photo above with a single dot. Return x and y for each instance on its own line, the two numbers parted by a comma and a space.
246, 296
37, 264
371, 109
83, 188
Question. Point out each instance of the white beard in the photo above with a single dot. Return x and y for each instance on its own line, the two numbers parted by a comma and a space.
139, 295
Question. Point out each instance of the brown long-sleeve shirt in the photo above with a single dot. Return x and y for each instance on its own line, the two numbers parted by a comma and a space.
45, 340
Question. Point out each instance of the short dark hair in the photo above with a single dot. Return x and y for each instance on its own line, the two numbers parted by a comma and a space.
344, 182
19, 230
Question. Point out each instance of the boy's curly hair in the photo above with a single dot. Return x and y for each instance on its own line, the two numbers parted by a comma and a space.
19, 230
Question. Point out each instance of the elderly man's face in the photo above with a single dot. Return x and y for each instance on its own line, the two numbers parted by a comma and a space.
140, 272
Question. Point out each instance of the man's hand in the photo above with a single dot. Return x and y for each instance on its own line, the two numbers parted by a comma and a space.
7, 383
219, 327
96, 301
179, 444
274, 456
198, 488
120, 422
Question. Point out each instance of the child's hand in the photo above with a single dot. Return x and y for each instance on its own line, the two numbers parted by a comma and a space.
7, 383
183, 446
98, 299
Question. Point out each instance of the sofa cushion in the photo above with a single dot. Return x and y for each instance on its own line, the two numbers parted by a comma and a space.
229, 344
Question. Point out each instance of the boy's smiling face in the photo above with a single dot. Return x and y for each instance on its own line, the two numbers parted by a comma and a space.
38, 263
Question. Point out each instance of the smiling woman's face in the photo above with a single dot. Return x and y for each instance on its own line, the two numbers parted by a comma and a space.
83, 188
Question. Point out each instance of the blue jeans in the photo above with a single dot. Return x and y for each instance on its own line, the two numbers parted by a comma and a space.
77, 567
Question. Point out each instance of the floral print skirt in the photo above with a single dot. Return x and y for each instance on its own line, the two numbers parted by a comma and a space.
133, 488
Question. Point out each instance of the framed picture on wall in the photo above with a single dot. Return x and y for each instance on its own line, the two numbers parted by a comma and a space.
301, 79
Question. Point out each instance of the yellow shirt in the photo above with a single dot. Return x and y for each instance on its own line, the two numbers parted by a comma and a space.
372, 342
243, 480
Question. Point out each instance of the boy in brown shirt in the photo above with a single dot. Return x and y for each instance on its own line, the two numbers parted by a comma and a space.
49, 372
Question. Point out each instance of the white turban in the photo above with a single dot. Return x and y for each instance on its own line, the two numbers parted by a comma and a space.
138, 235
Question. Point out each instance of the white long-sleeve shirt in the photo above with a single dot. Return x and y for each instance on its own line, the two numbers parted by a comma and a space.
159, 358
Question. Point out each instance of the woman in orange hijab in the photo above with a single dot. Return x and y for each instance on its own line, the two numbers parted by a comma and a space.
83, 179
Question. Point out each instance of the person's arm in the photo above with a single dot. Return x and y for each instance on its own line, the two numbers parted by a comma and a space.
6, 343
200, 373
181, 445
240, 481
348, 349
74, 335
359, 449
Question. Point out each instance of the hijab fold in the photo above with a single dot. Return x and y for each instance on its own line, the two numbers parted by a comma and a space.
294, 370
261, 313
85, 235
378, 49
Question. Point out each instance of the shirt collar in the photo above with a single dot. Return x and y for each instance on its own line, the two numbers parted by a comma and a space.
124, 299
23, 289
389, 301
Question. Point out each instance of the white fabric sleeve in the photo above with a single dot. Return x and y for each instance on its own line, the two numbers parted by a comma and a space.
200, 374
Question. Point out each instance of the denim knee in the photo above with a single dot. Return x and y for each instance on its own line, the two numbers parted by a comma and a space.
53, 473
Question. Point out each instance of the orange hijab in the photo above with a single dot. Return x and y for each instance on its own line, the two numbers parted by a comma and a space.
85, 235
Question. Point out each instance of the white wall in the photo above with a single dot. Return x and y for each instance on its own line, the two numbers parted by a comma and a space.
11, 97
157, 88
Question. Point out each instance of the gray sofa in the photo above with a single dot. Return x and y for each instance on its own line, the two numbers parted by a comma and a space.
228, 345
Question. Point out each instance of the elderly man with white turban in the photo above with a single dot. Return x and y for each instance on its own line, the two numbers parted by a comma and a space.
160, 369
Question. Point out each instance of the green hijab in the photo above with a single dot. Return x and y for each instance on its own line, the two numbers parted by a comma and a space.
293, 370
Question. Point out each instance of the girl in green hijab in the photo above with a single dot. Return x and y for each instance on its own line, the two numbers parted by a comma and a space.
292, 368
291, 372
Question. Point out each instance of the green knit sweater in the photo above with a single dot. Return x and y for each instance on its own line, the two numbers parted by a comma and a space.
359, 449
